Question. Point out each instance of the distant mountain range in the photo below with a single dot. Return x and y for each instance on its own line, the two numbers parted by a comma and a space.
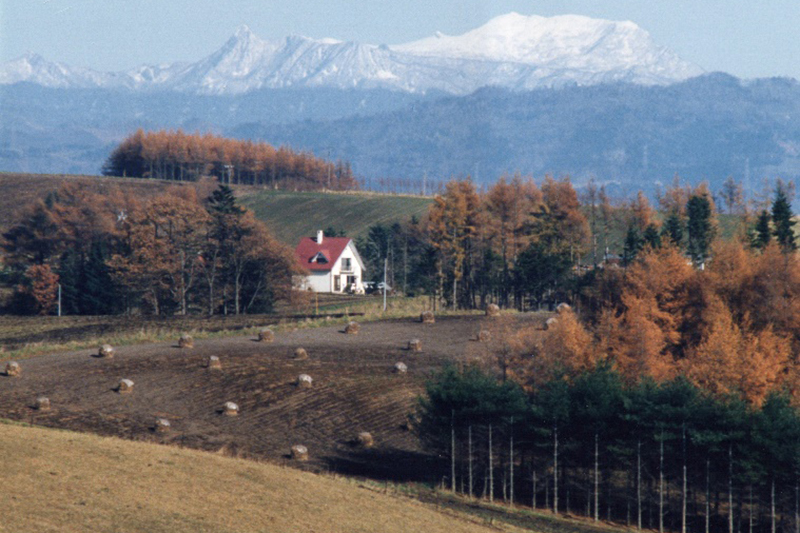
562, 95
511, 51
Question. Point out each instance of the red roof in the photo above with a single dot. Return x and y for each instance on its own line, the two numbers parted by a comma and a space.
331, 248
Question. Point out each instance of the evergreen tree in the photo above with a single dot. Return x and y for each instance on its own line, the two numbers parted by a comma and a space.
782, 219
651, 236
673, 228
634, 242
699, 228
763, 232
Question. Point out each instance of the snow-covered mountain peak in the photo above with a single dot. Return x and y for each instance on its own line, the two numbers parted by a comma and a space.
530, 39
512, 50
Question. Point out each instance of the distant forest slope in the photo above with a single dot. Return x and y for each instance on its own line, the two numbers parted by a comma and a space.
293, 215
19, 190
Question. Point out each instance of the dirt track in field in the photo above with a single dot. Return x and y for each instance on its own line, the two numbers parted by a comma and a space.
354, 390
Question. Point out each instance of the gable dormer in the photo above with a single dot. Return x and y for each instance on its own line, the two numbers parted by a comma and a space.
319, 258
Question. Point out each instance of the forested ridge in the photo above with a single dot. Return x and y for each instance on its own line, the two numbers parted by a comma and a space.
178, 156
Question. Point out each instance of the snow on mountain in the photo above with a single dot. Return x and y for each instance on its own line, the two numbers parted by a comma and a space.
577, 47
512, 51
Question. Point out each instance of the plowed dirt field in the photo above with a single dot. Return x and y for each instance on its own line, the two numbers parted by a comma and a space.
354, 390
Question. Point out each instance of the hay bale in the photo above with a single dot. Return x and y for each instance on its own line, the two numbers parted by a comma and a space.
186, 341
214, 363
106, 351
563, 308
304, 381
301, 354
492, 310
266, 335
43, 403
365, 439
400, 368
415, 345
13, 369
162, 425
550, 322
484, 335
299, 452
426, 317
125, 386
352, 328
230, 409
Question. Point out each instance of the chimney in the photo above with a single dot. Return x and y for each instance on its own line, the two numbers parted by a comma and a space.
319, 237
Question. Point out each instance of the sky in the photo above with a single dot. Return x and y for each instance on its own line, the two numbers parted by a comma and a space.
746, 38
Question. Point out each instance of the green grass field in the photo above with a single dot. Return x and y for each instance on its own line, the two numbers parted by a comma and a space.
294, 215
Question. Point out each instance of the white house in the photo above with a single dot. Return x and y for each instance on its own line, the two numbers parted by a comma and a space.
333, 264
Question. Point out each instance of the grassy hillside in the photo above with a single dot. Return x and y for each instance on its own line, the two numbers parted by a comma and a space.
64, 481
293, 215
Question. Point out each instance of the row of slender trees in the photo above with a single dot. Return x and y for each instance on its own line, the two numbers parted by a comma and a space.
111, 252
178, 156
664, 456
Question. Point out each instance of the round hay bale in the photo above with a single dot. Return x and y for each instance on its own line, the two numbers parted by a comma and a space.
125, 386
266, 335
214, 363
106, 351
492, 310
301, 354
230, 409
365, 439
43, 403
304, 381
13, 369
550, 322
162, 425
427, 317
352, 328
415, 345
186, 341
400, 368
299, 452
484, 335
563, 308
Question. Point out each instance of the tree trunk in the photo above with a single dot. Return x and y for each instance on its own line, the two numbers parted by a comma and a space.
639, 485
708, 495
596, 479
772, 506
511, 464
452, 451
533, 498
684, 491
491, 467
661, 487
555, 468
469, 433
730, 488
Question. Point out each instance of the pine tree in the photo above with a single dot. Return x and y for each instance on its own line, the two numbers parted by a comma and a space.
700, 228
673, 228
782, 219
763, 232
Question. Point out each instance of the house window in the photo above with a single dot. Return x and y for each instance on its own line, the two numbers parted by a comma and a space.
347, 264
351, 281
337, 283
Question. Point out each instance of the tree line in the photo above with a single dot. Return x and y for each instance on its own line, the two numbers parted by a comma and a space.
187, 249
665, 456
178, 156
